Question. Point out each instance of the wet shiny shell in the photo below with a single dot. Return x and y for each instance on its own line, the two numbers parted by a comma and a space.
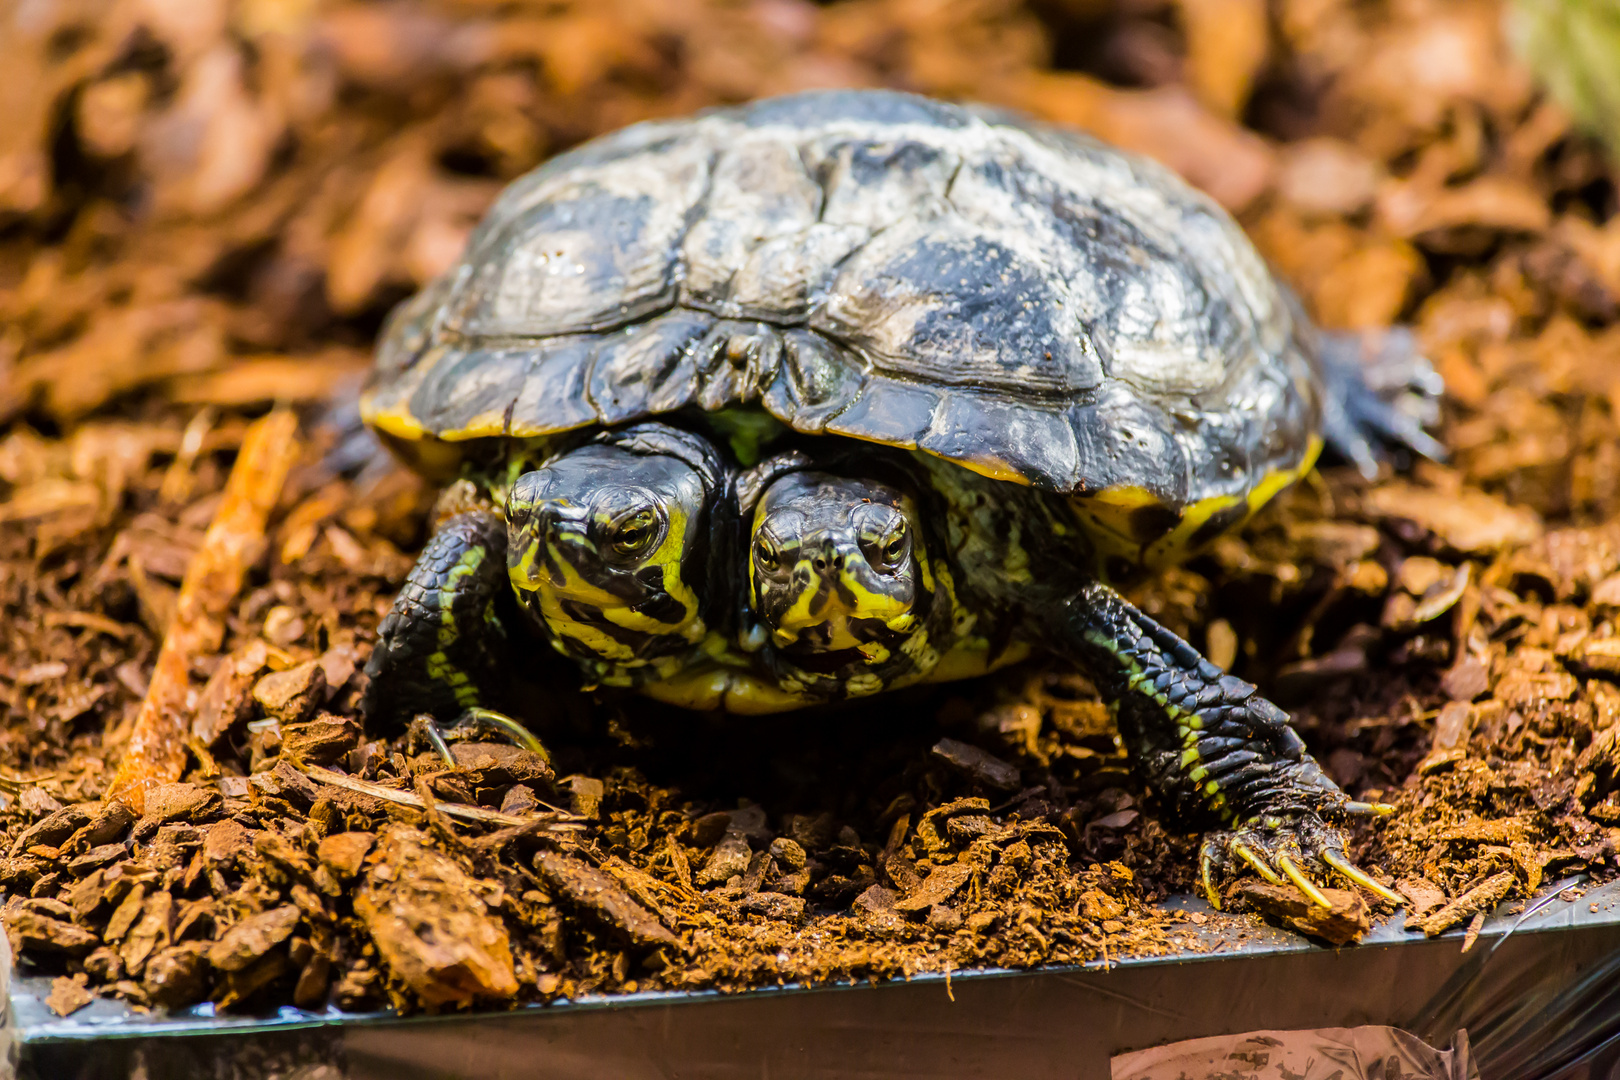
1028, 303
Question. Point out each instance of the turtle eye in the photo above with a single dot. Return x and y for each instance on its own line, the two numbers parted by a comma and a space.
766, 555
632, 533
892, 549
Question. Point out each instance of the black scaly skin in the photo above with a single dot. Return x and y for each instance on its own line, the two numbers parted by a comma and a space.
425, 662
1218, 753
1174, 704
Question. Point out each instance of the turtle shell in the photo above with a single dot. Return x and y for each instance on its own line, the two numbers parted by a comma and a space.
1026, 302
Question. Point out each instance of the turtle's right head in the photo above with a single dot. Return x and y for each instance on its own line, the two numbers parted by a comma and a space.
609, 544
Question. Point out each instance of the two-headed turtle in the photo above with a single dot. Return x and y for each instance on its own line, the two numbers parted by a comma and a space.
846, 391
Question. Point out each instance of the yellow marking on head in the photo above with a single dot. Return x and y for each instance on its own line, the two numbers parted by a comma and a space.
863, 684
874, 653
668, 556
608, 607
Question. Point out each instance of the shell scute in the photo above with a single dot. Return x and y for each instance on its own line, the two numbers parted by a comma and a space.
853, 108
969, 427
818, 381
889, 411
470, 394
950, 303
875, 183
648, 368
552, 397
767, 195
593, 250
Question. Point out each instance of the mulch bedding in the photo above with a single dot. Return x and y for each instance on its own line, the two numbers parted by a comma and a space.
207, 208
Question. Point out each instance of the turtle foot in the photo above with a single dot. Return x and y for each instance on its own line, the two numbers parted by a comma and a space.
1288, 850
471, 723
1382, 393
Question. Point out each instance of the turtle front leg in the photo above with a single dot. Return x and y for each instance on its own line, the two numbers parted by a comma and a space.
442, 649
1215, 749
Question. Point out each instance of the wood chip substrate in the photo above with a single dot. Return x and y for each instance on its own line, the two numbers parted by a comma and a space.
204, 218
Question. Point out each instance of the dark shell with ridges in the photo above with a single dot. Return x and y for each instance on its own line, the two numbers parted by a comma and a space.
1027, 302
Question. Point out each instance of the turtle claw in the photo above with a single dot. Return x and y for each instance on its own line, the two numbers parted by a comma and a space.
426, 729
1244, 852
502, 724
470, 720
1361, 877
1382, 395
1368, 809
1303, 883
1280, 849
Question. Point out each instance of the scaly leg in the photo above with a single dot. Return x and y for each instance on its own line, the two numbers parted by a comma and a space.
1216, 750
442, 649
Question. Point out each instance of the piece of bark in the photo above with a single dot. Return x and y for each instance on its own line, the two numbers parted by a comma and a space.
226, 842
243, 984
286, 782
246, 941
35, 932
729, 858
178, 802
86, 897
978, 765
52, 829
876, 899
1481, 898
322, 741
283, 854
125, 914
519, 800
150, 933
430, 926
111, 819
1422, 896
156, 751
592, 891
773, 905
96, 858
227, 697
940, 885
36, 803
68, 995
292, 696
310, 990
585, 797
344, 853
177, 976
499, 764
1344, 922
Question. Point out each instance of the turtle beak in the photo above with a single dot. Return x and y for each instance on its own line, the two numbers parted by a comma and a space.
828, 559
835, 585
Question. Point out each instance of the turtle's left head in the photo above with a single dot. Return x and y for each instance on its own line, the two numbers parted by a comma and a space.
837, 564
609, 545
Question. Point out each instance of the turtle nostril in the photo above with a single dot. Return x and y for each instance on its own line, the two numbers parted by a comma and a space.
838, 563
